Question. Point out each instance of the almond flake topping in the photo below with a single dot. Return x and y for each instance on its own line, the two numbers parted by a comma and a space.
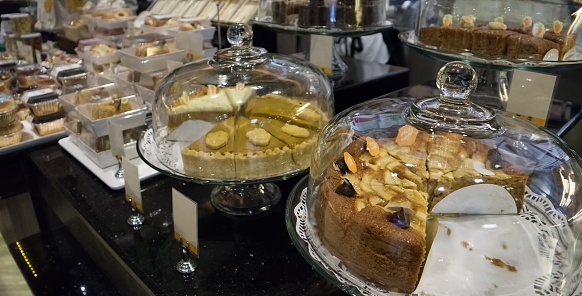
295, 131
217, 139
259, 137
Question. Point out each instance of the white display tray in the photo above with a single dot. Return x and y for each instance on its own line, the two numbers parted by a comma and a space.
106, 175
30, 138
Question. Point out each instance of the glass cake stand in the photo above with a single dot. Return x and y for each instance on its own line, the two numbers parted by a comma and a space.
234, 197
304, 236
338, 66
494, 74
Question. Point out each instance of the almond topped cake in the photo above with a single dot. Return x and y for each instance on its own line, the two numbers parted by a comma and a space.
375, 198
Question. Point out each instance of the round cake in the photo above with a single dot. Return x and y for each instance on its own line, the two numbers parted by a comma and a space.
246, 135
375, 198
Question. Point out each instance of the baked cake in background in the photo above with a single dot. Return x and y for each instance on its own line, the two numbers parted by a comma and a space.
496, 39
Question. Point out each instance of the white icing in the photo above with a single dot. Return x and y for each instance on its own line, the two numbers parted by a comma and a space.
477, 199
457, 264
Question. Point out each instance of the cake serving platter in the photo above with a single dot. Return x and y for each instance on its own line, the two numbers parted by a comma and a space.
537, 278
572, 59
334, 32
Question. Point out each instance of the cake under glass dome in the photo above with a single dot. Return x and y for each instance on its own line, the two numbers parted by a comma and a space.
441, 196
242, 117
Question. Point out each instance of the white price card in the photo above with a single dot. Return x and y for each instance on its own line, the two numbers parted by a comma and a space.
132, 185
321, 52
530, 96
185, 213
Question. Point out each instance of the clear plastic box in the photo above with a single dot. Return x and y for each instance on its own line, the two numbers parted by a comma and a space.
100, 127
151, 63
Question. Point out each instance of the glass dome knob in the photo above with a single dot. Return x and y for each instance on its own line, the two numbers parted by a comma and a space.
239, 35
456, 81
452, 111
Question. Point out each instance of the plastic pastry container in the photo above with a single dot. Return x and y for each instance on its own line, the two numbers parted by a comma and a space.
105, 158
11, 134
25, 76
133, 41
95, 116
49, 124
8, 109
88, 95
42, 102
151, 63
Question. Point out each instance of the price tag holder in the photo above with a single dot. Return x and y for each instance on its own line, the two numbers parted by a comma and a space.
185, 214
530, 96
321, 52
132, 184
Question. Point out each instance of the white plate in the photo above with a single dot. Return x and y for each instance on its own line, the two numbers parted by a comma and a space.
106, 175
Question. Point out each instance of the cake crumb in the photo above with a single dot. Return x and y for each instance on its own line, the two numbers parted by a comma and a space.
504, 246
499, 263
448, 231
466, 245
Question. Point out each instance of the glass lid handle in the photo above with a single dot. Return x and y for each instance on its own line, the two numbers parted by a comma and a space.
456, 81
452, 111
239, 35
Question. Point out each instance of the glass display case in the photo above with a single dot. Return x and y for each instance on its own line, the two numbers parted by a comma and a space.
242, 117
440, 196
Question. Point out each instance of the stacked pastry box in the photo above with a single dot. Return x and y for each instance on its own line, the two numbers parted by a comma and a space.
98, 55
111, 23
229, 11
147, 58
194, 35
90, 111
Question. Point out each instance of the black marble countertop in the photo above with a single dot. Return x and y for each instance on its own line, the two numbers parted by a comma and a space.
238, 255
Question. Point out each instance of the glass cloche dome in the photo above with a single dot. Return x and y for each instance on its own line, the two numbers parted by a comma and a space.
441, 196
242, 115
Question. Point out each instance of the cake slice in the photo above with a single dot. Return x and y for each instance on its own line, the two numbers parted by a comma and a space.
289, 110
373, 218
521, 46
